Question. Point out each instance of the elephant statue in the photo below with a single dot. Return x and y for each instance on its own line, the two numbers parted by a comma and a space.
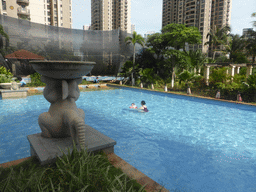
63, 119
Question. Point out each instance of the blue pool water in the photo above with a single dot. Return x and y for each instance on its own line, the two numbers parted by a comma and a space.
183, 143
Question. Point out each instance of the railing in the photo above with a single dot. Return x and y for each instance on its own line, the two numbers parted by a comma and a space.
23, 11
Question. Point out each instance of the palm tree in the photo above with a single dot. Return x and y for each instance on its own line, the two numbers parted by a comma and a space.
236, 47
218, 38
251, 45
136, 38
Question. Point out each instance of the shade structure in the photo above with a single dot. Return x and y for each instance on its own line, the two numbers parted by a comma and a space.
24, 54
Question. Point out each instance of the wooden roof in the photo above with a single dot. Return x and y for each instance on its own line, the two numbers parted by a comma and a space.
24, 54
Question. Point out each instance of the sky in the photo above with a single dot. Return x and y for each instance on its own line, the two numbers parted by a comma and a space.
147, 15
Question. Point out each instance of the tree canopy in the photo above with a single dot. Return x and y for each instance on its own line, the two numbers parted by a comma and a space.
178, 34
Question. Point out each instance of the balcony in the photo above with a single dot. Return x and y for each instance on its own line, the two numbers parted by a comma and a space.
23, 2
23, 11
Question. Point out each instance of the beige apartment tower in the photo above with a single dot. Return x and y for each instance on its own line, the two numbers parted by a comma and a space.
49, 12
203, 14
111, 14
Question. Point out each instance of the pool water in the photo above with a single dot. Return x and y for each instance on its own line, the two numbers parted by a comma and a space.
183, 143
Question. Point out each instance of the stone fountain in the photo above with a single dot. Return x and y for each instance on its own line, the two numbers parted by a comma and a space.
64, 122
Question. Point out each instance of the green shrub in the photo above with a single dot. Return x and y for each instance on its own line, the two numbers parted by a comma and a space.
36, 80
5, 78
238, 78
5, 75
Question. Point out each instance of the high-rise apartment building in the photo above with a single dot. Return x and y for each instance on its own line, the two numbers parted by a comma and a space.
111, 14
48, 12
86, 27
132, 28
203, 14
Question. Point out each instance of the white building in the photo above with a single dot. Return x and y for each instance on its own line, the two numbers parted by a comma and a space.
111, 14
48, 12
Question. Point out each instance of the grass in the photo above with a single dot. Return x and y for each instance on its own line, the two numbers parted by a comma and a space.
76, 171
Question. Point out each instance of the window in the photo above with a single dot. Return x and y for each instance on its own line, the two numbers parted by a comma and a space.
55, 18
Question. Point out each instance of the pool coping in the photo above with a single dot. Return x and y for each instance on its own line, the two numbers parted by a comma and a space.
172, 92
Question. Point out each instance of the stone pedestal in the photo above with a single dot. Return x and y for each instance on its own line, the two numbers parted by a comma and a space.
46, 149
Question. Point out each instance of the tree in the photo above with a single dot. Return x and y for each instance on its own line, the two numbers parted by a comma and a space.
218, 41
136, 38
254, 22
251, 45
196, 59
157, 44
236, 48
146, 59
177, 35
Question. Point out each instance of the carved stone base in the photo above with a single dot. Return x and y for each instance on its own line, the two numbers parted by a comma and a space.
46, 149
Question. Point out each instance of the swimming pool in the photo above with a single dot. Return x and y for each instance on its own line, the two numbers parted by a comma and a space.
187, 143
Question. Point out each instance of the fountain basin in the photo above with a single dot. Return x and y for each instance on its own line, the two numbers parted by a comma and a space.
8, 85
63, 69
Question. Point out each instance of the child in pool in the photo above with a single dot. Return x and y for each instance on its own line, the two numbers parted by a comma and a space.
143, 107
133, 106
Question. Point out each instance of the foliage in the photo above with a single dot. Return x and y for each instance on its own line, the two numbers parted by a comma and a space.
219, 41
178, 34
5, 78
196, 59
236, 48
136, 38
251, 45
219, 75
79, 170
157, 45
5, 75
148, 76
126, 70
251, 80
185, 76
36, 80
222, 59
3, 70
146, 59
254, 22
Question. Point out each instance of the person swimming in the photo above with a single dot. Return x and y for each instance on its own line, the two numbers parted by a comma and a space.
133, 106
143, 107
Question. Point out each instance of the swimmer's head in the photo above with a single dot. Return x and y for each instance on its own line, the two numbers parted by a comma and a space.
143, 102
133, 103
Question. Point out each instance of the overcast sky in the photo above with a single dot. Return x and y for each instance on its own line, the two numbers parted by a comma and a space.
147, 15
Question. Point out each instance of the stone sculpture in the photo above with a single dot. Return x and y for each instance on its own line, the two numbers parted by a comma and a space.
63, 119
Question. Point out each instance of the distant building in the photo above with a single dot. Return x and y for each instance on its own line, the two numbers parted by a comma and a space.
246, 32
111, 14
148, 33
49, 12
203, 14
86, 27
132, 28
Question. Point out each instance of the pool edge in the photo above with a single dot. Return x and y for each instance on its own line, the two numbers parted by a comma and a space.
169, 92
117, 162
